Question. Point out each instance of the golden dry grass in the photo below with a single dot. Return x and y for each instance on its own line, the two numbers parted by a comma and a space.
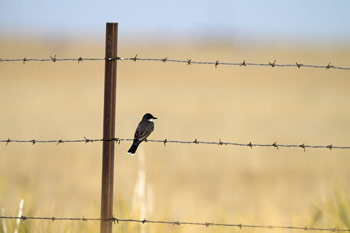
194, 183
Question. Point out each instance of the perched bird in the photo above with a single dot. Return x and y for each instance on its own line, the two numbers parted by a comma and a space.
143, 130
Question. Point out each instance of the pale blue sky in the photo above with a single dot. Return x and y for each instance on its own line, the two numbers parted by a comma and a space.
297, 20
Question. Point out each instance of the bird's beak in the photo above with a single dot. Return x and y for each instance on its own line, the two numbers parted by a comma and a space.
154, 118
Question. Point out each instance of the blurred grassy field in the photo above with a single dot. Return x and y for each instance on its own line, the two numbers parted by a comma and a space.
45, 100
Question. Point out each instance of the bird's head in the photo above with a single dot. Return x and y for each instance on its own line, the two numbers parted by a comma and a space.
149, 117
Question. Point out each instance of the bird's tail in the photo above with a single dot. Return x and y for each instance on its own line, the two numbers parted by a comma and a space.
133, 148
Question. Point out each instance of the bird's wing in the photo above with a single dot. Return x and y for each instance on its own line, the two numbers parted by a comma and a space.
143, 131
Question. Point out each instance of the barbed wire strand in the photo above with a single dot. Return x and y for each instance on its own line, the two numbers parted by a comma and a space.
179, 223
165, 141
187, 61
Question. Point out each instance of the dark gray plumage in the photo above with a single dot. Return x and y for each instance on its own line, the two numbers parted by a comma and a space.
143, 130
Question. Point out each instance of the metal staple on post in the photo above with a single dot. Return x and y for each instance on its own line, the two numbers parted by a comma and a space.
109, 126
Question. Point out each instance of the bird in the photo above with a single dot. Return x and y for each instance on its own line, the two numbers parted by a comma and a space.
143, 130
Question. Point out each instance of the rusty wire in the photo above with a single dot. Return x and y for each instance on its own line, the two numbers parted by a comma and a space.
178, 223
187, 61
165, 141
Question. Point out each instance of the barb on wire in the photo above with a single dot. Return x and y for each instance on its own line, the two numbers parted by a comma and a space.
272, 64
299, 64
53, 58
216, 64
165, 141
179, 223
134, 58
187, 61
